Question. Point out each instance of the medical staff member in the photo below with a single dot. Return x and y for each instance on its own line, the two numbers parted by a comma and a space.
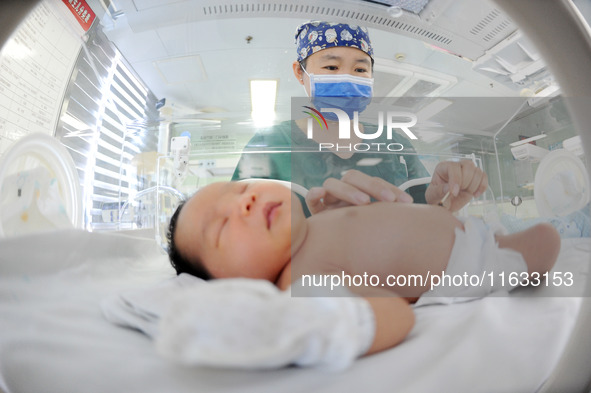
335, 66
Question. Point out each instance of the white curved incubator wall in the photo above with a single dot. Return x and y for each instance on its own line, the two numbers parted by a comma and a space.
114, 112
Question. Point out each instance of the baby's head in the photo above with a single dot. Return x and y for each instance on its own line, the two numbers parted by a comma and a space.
235, 229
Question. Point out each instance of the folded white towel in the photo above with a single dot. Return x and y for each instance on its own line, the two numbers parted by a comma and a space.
245, 323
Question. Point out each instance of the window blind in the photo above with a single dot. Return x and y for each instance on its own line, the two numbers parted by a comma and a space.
103, 98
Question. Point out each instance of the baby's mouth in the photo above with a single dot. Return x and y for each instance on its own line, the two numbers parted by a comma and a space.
269, 212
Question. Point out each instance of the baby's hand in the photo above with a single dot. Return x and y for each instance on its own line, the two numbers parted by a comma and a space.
354, 188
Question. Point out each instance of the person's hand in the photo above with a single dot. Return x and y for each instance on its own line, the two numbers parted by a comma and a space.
354, 188
463, 179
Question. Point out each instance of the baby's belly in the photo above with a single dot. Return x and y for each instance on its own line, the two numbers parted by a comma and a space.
385, 240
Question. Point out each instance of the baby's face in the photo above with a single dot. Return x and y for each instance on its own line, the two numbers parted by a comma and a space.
239, 229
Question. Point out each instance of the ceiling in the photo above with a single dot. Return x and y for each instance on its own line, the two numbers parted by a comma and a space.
201, 54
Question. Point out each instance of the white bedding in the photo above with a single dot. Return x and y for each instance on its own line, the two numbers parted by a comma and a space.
53, 337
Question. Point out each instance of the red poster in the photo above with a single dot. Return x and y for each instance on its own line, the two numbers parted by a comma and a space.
82, 12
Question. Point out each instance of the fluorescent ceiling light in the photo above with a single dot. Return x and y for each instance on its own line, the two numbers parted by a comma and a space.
263, 94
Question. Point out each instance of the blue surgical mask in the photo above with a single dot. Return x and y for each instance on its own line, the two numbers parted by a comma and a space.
343, 91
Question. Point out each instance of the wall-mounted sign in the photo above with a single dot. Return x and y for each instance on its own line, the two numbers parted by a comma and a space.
82, 12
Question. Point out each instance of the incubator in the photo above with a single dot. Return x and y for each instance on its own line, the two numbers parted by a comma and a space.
123, 182
114, 112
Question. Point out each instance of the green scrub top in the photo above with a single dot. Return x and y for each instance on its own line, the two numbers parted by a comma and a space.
285, 154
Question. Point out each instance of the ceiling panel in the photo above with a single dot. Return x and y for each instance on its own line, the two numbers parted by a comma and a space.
181, 70
202, 54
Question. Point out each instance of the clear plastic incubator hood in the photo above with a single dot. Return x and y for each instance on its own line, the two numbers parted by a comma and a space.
113, 112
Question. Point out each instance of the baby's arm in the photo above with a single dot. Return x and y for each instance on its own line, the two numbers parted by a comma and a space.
394, 318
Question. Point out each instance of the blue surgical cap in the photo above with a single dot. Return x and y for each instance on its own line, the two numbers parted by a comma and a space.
314, 36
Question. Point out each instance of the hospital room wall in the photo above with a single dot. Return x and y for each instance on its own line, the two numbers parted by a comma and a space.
36, 62
101, 96
102, 116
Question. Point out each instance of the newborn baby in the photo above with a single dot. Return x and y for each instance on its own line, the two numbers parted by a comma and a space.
258, 230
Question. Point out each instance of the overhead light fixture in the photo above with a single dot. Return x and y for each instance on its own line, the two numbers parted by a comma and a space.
414, 6
263, 94
395, 11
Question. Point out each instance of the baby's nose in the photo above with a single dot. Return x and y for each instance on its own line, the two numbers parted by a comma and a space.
247, 202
